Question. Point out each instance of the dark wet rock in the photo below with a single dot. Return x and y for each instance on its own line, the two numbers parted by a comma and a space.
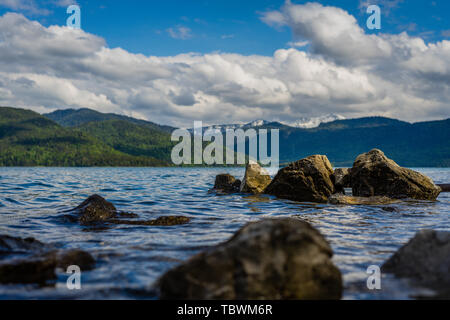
373, 174
95, 209
349, 200
33, 270
227, 183
13, 245
424, 259
270, 259
444, 187
342, 179
390, 209
36, 262
256, 179
308, 180
159, 222
81, 258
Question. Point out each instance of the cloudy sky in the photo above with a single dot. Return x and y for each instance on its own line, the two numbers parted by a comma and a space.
174, 62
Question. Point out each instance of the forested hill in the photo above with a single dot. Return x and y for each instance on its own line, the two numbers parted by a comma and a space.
89, 138
29, 139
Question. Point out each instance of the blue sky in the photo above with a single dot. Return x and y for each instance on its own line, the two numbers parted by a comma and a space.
223, 25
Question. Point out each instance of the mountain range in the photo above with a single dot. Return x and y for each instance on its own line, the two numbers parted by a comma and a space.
87, 137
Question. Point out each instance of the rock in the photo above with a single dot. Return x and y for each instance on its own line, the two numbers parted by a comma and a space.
35, 270
160, 222
270, 259
81, 258
309, 180
343, 199
444, 187
227, 183
342, 179
373, 174
36, 262
424, 259
95, 209
256, 179
13, 245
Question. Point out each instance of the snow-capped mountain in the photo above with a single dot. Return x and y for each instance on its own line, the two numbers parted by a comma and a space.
307, 123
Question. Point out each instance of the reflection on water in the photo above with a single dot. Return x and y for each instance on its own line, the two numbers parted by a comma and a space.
131, 258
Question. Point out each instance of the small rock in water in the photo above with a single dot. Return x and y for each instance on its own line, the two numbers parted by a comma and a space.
256, 179
227, 183
426, 260
307, 180
342, 179
12, 245
343, 199
95, 209
270, 259
373, 174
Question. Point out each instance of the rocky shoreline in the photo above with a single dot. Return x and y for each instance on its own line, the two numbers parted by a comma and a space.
274, 258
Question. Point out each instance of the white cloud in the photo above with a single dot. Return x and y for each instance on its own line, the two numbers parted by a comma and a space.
180, 32
344, 71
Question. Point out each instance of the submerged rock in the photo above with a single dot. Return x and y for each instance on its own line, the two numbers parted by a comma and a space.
256, 179
373, 174
444, 187
343, 199
35, 262
227, 183
95, 209
271, 259
161, 221
342, 179
426, 260
12, 245
309, 180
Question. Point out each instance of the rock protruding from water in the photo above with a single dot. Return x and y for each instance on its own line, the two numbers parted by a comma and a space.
29, 261
227, 183
95, 209
256, 179
349, 200
307, 180
342, 179
270, 259
426, 260
373, 174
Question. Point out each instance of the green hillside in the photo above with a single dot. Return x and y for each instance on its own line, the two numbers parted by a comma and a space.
29, 139
131, 138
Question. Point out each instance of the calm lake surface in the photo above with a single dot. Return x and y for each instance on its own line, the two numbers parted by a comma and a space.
131, 258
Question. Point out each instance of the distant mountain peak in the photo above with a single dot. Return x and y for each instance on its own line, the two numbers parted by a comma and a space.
313, 122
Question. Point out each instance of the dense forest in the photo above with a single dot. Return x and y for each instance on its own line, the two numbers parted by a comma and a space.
86, 137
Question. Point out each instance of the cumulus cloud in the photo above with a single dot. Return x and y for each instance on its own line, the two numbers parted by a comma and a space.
344, 71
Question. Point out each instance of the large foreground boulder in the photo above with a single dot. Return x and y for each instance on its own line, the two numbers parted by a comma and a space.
373, 174
256, 179
271, 259
308, 180
426, 260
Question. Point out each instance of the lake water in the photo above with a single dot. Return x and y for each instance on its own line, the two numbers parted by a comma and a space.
131, 258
